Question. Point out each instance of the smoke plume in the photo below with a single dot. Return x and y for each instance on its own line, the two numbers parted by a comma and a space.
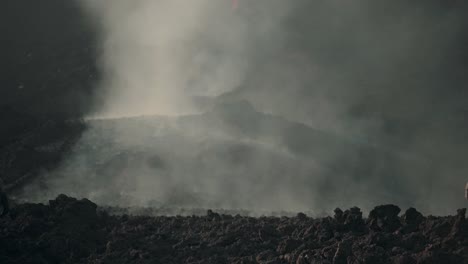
276, 105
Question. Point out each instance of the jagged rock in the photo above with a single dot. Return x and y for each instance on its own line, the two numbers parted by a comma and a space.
342, 252
353, 218
388, 211
74, 214
461, 213
411, 220
267, 232
287, 246
213, 216
338, 215
324, 230
437, 228
68, 230
301, 216
413, 242
460, 227
433, 254
384, 218
265, 256
412, 217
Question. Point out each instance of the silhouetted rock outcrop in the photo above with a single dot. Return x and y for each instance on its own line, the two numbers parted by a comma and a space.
68, 230
384, 218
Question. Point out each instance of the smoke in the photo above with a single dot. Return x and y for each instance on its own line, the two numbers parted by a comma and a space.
275, 105
158, 55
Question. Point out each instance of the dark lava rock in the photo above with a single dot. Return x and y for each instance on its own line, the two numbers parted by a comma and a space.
288, 246
266, 256
350, 220
68, 230
460, 227
412, 217
384, 218
411, 220
338, 215
342, 252
353, 219
301, 216
213, 216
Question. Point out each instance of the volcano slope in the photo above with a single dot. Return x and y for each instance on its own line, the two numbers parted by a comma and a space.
230, 157
68, 230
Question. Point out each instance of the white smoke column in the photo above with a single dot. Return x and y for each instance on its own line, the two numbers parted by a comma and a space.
143, 51
157, 54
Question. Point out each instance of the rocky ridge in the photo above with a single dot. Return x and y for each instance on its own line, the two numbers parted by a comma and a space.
68, 230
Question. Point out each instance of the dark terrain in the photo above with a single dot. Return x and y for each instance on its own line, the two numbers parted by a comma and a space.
68, 230
48, 72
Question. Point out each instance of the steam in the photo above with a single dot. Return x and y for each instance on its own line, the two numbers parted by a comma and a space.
273, 105
158, 55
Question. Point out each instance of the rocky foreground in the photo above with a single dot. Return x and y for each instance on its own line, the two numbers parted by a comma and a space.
74, 231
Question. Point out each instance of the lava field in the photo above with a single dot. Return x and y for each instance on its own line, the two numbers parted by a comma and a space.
68, 230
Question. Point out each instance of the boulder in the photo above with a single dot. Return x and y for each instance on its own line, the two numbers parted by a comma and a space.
384, 218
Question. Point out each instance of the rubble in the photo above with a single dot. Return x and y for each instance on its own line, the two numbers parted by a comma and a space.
68, 230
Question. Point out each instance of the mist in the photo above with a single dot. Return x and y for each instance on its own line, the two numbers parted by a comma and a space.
158, 55
273, 105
